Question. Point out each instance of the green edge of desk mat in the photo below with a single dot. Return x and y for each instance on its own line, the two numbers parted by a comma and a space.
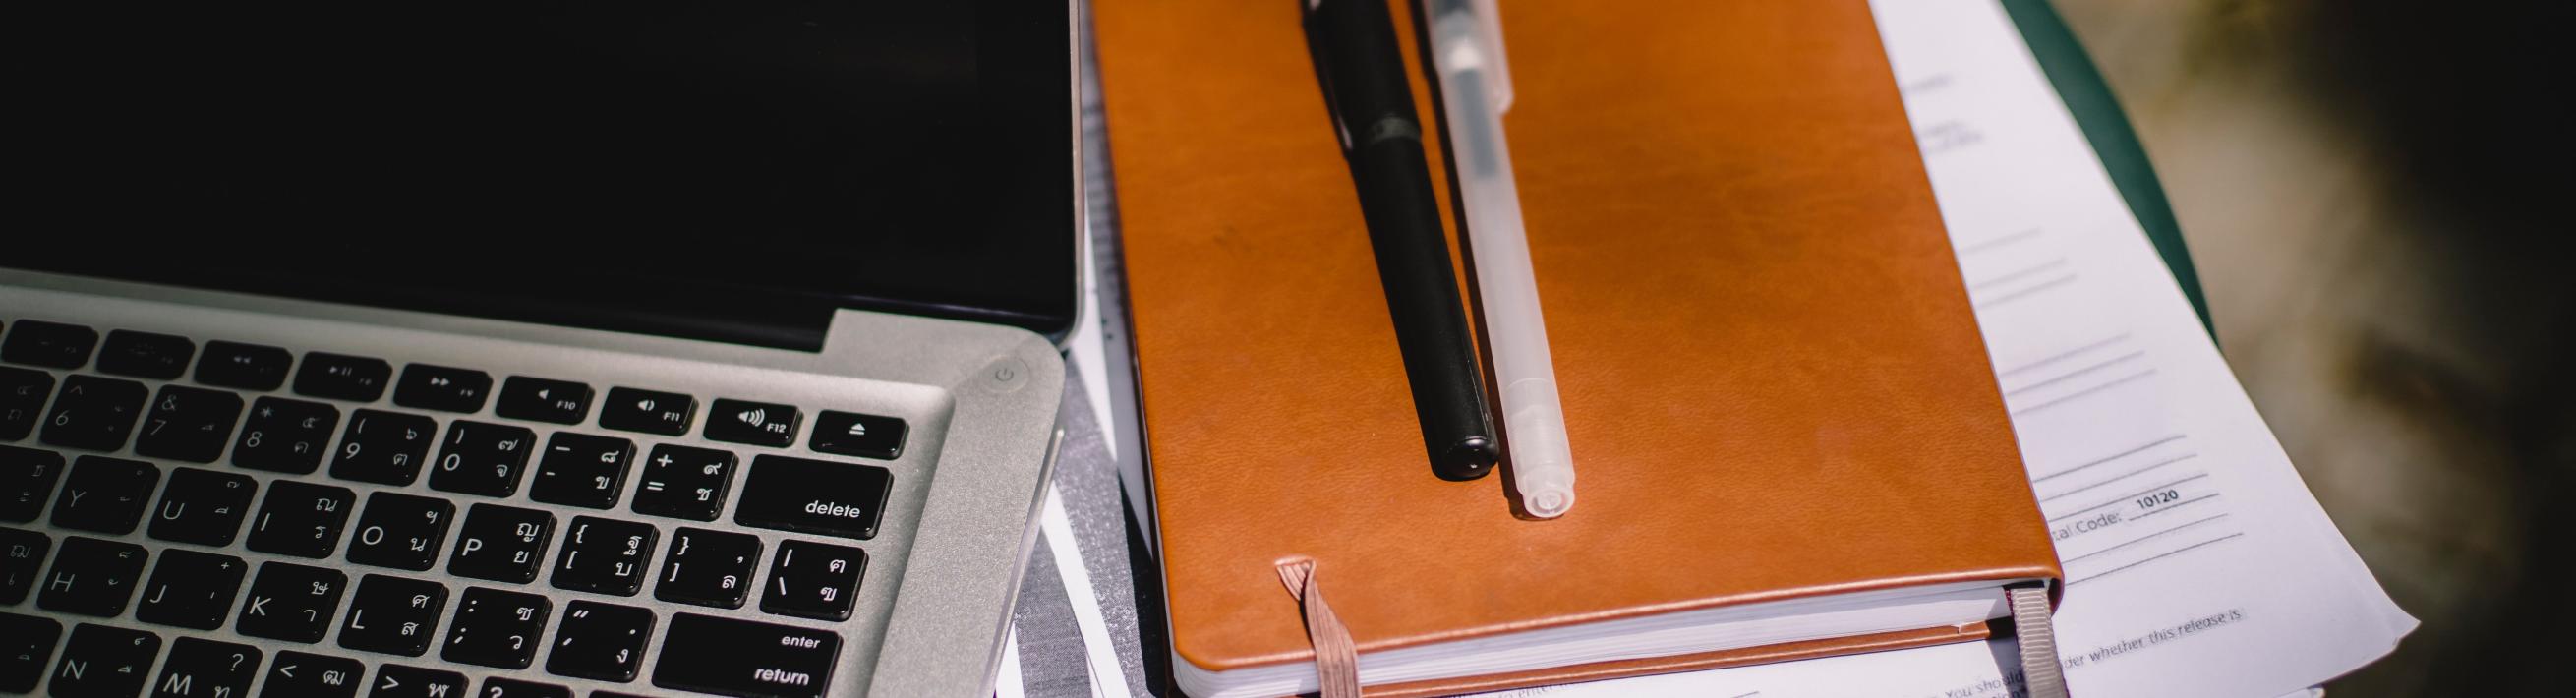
2097, 113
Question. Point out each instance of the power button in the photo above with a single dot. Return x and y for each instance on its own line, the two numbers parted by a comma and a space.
1006, 374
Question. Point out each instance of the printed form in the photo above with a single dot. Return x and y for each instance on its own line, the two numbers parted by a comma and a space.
2197, 563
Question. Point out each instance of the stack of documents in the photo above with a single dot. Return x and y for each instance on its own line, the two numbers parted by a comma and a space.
2197, 563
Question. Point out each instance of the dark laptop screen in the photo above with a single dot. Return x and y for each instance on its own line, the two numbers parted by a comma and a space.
744, 164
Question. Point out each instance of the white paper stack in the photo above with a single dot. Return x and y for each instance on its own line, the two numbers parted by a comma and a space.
2197, 562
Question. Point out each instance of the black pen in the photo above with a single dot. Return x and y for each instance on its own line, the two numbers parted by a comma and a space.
1365, 86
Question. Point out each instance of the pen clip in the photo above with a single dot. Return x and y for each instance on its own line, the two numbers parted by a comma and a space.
1324, 70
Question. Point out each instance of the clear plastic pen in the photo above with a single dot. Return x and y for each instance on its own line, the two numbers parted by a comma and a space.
1475, 90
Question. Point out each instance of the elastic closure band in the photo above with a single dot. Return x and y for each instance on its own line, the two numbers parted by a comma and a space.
2040, 675
1337, 661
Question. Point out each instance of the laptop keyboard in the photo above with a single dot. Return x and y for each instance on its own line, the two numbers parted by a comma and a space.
186, 518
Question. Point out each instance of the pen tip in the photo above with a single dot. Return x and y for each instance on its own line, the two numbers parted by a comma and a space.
1548, 503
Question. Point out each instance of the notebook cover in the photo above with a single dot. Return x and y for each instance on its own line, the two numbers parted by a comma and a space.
1774, 384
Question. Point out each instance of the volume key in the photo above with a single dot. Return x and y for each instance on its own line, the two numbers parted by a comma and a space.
755, 423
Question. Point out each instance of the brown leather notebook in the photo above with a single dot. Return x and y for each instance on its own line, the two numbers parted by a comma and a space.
1779, 404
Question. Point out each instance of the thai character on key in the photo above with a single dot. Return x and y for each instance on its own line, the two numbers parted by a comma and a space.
419, 600
410, 629
728, 582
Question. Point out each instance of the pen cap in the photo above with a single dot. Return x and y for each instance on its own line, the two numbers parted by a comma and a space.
1478, 25
1353, 42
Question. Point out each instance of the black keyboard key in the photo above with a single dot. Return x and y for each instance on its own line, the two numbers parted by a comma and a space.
92, 577
48, 344
386, 448
27, 478
305, 675
600, 641
538, 399
146, 355
342, 377
685, 482
497, 687
398, 681
854, 434
204, 507
496, 628
709, 568
301, 519
291, 602
604, 556
244, 366
582, 470
813, 580
393, 615
189, 424
285, 436
207, 669
105, 494
190, 589
651, 412
755, 423
104, 661
744, 658
26, 645
812, 496
94, 413
502, 544
22, 562
441, 388
401, 531
22, 400
483, 459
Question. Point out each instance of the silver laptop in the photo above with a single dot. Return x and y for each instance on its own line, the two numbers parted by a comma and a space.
528, 349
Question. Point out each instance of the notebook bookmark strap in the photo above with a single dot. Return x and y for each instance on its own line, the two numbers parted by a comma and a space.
1337, 661
2040, 673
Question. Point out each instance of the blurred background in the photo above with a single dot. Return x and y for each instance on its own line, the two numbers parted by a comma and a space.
2372, 190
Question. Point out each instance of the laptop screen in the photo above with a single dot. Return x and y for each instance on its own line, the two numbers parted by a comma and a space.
747, 164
